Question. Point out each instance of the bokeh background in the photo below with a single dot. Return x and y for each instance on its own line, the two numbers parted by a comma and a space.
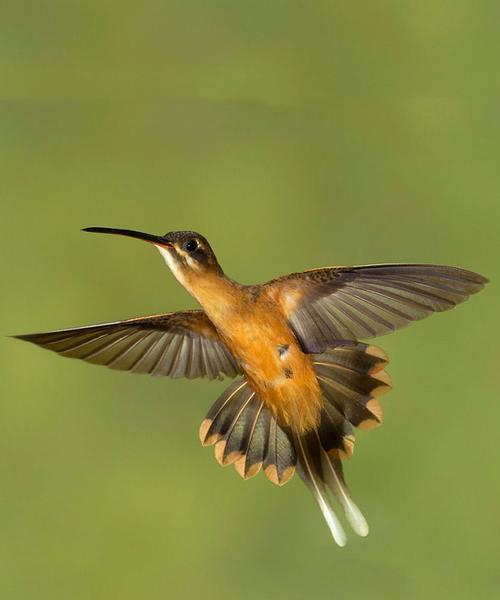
293, 135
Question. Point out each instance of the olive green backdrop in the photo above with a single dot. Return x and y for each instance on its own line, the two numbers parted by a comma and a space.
293, 135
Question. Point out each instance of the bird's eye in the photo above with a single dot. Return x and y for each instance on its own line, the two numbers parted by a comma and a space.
191, 245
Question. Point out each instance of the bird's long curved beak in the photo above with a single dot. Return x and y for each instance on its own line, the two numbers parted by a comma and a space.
157, 240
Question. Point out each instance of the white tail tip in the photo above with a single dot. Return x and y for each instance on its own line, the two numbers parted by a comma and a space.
333, 523
357, 520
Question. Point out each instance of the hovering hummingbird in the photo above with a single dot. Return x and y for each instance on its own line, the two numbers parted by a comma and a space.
304, 378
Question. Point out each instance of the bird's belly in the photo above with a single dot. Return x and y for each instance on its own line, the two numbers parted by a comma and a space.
279, 372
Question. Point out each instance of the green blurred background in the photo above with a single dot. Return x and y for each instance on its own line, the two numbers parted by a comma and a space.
293, 135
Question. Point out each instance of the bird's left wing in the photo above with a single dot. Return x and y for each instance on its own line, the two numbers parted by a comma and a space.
181, 344
354, 303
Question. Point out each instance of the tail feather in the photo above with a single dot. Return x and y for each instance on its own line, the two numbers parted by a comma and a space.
333, 474
236, 438
245, 433
362, 411
221, 415
359, 357
281, 457
228, 449
351, 377
255, 449
335, 432
310, 471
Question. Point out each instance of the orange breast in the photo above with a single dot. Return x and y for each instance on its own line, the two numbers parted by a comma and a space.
274, 365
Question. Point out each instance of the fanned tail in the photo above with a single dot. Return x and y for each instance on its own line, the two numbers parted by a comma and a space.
246, 434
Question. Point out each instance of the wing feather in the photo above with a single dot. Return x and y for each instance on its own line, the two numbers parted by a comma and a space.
354, 303
182, 344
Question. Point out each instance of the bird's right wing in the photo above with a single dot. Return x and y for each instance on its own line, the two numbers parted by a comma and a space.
181, 344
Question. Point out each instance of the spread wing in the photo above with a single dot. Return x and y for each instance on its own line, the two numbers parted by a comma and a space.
181, 344
353, 303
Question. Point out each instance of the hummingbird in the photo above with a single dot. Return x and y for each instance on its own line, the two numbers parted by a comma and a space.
304, 379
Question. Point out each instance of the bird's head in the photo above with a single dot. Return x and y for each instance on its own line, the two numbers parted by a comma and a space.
187, 253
